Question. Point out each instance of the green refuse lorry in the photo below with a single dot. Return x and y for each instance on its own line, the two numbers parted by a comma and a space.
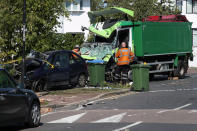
166, 45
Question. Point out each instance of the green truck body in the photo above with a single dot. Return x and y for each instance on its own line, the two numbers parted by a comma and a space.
165, 46
162, 38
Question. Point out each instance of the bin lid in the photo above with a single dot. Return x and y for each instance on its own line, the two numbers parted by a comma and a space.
140, 66
95, 62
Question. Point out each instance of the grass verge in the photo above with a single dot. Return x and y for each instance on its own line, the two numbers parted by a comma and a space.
73, 91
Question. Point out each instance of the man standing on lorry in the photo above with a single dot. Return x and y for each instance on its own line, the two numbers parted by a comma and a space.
77, 49
124, 56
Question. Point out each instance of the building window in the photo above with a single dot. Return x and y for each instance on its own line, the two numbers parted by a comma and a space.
81, 4
179, 4
68, 5
195, 37
191, 6
74, 5
195, 6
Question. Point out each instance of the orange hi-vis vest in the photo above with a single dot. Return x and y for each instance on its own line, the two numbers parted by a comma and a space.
124, 56
76, 51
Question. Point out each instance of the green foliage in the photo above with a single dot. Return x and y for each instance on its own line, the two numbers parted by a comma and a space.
96, 5
90, 38
42, 18
59, 42
144, 8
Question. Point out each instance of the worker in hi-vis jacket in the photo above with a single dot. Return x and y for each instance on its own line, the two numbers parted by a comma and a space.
124, 56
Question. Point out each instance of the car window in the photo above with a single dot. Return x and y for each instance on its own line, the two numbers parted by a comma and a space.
61, 60
5, 81
74, 58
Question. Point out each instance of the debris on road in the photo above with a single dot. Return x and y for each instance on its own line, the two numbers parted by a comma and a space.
46, 110
173, 78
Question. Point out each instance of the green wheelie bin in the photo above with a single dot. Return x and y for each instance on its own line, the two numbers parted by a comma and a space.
140, 75
96, 74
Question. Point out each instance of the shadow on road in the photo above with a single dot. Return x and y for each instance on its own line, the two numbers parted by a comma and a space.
164, 78
16, 127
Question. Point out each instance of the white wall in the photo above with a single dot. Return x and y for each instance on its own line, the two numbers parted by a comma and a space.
76, 20
192, 18
194, 62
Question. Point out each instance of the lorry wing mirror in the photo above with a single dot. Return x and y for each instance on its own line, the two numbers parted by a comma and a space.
83, 28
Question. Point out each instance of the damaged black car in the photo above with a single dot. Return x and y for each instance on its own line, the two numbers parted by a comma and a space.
55, 69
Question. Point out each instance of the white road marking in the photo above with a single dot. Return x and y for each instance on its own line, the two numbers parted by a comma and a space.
193, 89
129, 126
69, 119
159, 112
115, 109
132, 115
111, 119
161, 91
175, 109
155, 91
79, 108
193, 111
181, 107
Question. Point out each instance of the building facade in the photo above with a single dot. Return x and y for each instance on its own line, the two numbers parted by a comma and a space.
78, 17
189, 8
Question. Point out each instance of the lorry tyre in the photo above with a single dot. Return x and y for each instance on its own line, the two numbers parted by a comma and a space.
151, 76
181, 70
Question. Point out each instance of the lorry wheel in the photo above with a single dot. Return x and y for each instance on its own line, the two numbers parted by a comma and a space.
181, 70
151, 76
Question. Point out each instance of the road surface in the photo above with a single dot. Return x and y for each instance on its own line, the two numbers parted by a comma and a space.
170, 105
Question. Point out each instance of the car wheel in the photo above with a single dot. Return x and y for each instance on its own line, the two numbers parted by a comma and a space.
40, 86
34, 115
82, 80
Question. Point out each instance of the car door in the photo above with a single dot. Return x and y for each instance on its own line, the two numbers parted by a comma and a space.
75, 66
60, 74
13, 104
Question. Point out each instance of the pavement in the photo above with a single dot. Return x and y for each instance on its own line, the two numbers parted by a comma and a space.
50, 103
170, 105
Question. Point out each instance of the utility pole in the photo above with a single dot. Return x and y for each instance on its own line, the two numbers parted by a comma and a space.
24, 39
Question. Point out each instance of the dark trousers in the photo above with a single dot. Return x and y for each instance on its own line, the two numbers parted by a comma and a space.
121, 73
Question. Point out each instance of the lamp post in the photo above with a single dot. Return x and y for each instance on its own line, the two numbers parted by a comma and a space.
24, 39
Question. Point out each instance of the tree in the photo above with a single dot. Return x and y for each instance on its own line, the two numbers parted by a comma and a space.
58, 41
96, 5
144, 8
42, 20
